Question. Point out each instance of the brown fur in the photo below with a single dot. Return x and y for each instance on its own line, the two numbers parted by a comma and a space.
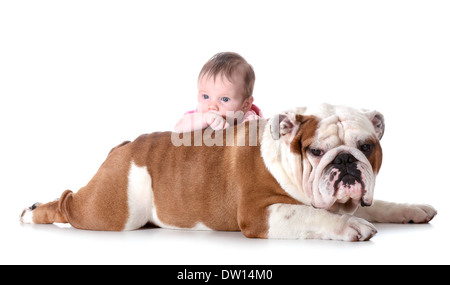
376, 158
305, 135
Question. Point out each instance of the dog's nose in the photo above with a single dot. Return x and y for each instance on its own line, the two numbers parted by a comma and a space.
344, 158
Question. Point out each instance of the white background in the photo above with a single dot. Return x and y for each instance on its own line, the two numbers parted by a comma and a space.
79, 77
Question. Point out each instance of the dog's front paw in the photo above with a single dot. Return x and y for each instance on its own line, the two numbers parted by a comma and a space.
415, 214
355, 229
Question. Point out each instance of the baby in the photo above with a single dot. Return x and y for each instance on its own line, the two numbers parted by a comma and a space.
225, 88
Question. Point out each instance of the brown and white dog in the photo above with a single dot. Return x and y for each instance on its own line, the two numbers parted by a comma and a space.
302, 174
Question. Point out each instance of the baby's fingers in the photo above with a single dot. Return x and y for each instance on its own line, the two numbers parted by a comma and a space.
219, 124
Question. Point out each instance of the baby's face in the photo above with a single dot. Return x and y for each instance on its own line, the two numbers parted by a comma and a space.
221, 95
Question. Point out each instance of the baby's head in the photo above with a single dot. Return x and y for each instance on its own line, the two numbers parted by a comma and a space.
226, 84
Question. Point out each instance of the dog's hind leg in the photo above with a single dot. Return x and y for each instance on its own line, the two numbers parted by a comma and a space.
94, 207
45, 213
101, 205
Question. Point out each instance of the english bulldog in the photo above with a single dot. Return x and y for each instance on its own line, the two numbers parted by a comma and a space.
303, 174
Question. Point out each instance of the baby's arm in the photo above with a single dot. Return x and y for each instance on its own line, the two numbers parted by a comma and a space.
190, 122
199, 121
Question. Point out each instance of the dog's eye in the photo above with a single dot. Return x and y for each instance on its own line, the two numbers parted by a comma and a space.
366, 148
316, 151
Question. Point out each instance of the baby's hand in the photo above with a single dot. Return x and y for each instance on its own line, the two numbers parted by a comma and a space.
215, 121
250, 115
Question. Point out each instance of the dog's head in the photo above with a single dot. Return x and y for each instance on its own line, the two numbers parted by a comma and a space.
328, 157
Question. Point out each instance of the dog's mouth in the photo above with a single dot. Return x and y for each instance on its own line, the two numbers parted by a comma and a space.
345, 185
345, 181
349, 187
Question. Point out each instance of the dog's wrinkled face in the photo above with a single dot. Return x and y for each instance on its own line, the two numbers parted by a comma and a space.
334, 157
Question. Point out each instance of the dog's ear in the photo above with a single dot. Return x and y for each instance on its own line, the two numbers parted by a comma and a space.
377, 120
284, 124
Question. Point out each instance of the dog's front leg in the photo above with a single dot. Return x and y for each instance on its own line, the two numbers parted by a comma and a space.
388, 212
288, 221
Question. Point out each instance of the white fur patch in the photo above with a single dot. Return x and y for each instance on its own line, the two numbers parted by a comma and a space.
300, 222
27, 216
140, 197
304, 222
278, 159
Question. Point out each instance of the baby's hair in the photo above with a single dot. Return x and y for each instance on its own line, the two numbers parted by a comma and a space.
226, 64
